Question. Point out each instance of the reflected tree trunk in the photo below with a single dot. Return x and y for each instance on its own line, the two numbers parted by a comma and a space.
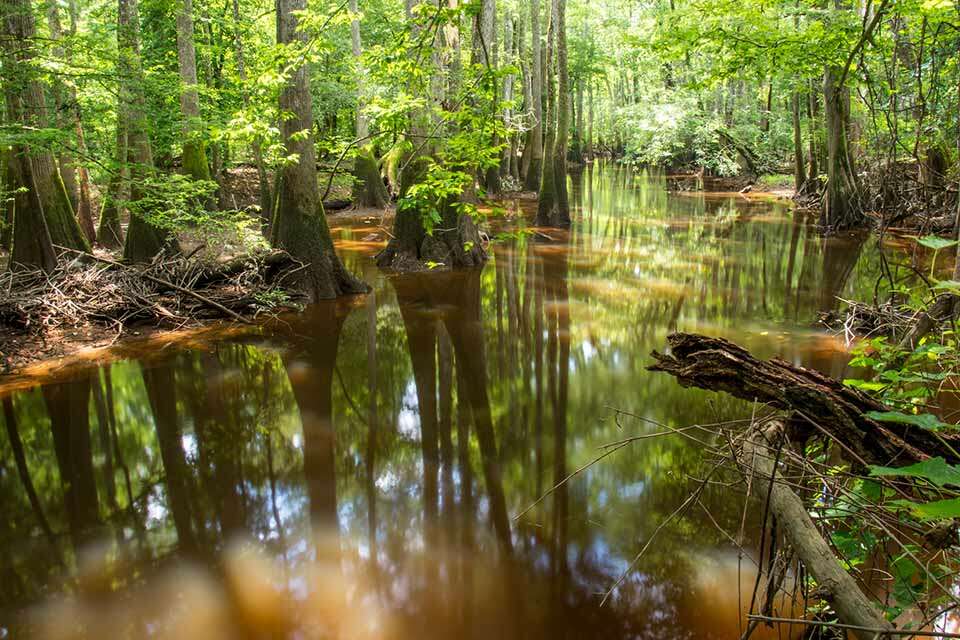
421, 328
160, 383
69, 410
20, 459
314, 397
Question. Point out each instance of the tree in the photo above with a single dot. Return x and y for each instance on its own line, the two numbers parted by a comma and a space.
299, 224
145, 237
43, 214
433, 226
194, 159
553, 208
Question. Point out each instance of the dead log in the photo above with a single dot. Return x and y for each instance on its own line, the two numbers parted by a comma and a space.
837, 587
818, 402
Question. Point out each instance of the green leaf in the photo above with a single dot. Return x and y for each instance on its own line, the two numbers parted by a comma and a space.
936, 470
936, 510
923, 420
936, 242
952, 285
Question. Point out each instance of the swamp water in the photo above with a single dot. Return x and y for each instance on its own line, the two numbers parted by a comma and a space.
356, 470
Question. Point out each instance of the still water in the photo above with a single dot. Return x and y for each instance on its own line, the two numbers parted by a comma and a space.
355, 471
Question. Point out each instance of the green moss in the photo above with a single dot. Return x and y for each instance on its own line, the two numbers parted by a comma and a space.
368, 189
195, 161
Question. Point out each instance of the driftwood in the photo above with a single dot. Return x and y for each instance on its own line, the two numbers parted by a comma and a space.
835, 585
819, 403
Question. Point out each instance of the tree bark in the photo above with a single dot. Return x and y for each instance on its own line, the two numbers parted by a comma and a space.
194, 161
456, 241
44, 215
535, 142
841, 201
145, 238
554, 208
719, 365
299, 225
265, 190
757, 455
799, 170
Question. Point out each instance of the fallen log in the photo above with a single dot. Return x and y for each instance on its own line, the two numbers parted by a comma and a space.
836, 586
818, 402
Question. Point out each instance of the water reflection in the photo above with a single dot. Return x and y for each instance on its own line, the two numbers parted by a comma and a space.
372, 452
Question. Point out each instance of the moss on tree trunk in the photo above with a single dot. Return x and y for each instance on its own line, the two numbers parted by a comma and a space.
43, 214
841, 201
368, 187
455, 242
299, 224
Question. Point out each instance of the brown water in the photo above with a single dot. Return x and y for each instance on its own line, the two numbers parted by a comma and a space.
355, 471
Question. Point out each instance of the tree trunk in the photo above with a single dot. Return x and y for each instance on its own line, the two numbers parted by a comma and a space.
61, 99
69, 410
719, 365
362, 127
535, 142
799, 170
841, 201
263, 180
457, 242
110, 233
555, 211
757, 455
44, 215
368, 187
299, 225
813, 171
194, 161
145, 239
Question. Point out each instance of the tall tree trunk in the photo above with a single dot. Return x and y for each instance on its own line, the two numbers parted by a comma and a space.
554, 208
299, 225
841, 201
799, 170
68, 405
145, 239
263, 180
84, 205
488, 31
588, 145
535, 141
194, 160
508, 80
61, 100
457, 243
44, 216
813, 171
362, 127
110, 233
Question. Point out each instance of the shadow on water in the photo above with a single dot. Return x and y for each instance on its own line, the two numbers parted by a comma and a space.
356, 470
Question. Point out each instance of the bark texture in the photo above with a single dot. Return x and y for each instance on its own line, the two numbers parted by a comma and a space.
299, 225
368, 187
553, 208
145, 239
719, 365
535, 141
841, 201
840, 589
43, 213
194, 151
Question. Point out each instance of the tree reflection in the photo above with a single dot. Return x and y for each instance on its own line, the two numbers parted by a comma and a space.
68, 407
